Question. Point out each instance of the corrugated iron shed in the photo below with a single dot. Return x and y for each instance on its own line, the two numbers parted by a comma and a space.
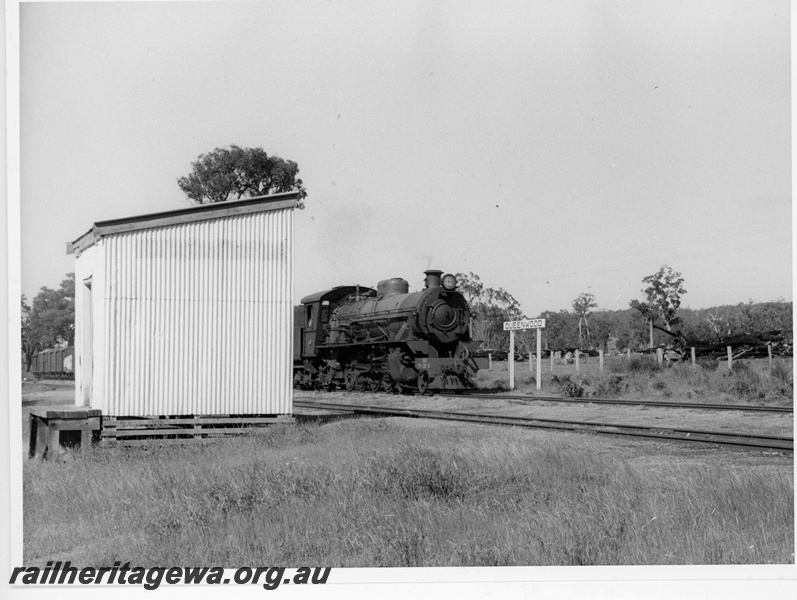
187, 311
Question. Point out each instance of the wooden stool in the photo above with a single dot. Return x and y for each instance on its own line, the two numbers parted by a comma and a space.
47, 423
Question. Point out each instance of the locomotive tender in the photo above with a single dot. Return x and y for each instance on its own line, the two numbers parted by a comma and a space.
389, 339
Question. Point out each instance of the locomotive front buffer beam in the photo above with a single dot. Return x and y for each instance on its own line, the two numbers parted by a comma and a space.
447, 373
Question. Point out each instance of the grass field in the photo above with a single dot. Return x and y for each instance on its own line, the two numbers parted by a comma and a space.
398, 492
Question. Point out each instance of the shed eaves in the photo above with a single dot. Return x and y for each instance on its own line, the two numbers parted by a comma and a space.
185, 215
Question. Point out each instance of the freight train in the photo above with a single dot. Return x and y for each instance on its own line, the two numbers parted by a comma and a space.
388, 339
55, 363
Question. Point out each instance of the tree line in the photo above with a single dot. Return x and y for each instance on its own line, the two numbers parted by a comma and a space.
647, 323
48, 321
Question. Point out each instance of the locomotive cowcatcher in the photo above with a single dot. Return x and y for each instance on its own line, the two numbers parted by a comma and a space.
386, 339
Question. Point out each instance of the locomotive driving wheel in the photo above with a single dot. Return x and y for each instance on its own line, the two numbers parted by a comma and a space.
387, 384
423, 382
352, 379
326, 379
372, 383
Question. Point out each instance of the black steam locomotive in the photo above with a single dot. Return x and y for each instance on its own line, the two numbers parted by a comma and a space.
386, 339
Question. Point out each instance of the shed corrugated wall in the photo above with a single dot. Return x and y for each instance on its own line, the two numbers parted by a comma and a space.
198, 318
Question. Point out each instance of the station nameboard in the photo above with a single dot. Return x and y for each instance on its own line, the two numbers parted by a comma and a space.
524, 324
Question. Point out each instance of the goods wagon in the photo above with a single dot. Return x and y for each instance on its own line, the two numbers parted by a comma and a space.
55, 363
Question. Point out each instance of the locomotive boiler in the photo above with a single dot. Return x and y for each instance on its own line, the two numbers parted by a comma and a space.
386, 338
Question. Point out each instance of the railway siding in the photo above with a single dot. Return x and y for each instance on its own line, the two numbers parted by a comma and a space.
775, 424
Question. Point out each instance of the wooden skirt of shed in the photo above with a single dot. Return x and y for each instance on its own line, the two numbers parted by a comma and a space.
182, 428
56, 427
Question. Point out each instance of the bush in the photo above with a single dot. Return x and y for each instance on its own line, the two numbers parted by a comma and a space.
781, 373
612, 386
780, 381
742, 381
643, 364
637, 364
570, 388
707, 364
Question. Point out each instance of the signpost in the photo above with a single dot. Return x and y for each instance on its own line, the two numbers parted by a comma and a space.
511, 327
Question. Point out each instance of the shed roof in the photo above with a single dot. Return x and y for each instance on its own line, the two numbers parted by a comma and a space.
191, 214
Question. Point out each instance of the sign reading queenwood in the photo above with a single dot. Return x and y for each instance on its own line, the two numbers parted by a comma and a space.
511, 327
524, 324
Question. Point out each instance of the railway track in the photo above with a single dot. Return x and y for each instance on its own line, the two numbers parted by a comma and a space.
694, 405
722, 438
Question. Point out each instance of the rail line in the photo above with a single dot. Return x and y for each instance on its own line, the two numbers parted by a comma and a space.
722, 438
659, 403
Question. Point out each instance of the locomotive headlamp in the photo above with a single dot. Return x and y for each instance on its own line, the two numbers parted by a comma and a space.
449, 282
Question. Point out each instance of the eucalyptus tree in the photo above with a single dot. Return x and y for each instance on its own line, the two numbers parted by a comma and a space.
489, 308
663, 298
234, 173
582, 307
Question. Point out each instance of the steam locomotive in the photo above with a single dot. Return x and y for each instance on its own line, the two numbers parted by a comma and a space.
386, 339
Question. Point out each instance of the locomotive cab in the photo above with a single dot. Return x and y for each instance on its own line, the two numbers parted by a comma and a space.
312, 316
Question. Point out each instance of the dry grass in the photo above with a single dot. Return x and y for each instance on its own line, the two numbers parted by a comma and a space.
369, 493
750, 381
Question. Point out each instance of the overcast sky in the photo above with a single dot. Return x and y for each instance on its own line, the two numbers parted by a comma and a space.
552, 148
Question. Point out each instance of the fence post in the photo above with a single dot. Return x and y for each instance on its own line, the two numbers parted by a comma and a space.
628, 353
660, 355
490, 361
730, 357
578, 366
552, 353
600, 357
769, 353
694, 364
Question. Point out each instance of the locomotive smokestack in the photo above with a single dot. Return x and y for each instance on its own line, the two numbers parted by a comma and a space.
432, 278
